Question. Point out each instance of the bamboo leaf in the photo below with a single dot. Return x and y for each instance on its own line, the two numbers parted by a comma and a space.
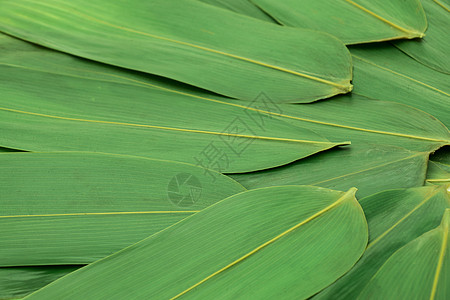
244, 7
206, 53
370, 167
395, 218
85, 206
75, 105
340, 118
365, 121
353, 21
388, 125
433, 50
17, 282
257, 244
382, 72
419, 270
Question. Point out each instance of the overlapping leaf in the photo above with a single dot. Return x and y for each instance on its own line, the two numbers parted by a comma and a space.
362, 120
385, 73
419, 270
277, 242
353, 21
375, 161
74, 208
370, 167
433, 49
387, 124
207, 53
289, 241
53, 103
395, 218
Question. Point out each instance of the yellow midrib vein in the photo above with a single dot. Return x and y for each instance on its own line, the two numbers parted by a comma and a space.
105, 213
170, 128
149, 85
336, 203
440, 263
411, 33
427, 198
341, 87
402, 75
442, 5
438, 180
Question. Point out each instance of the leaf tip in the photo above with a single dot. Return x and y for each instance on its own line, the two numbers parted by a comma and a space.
352, 191
346, 88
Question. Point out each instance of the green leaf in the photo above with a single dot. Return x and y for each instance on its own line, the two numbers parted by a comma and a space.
85, 206
365, 121
244, 7
353, 21
98, 97
98, 119
17, 282
138, 126
432, 51
71, 104
419, 270
383, 72
291, 241
200, 46
369, 167
395, 218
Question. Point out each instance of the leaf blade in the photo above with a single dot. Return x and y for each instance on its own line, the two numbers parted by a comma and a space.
409, 82
395, 218
327, 198
432, 51
88, 193
429, 253
196, 52
354, 22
